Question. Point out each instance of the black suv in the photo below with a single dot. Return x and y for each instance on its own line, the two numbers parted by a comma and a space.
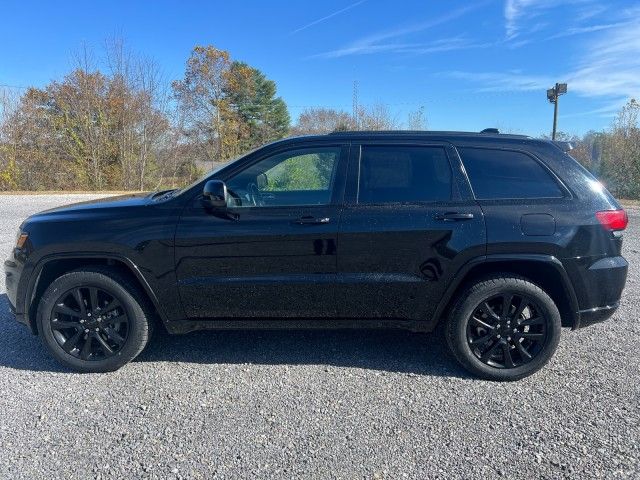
502, 238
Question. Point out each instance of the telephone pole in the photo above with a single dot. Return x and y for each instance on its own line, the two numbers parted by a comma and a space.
552, 96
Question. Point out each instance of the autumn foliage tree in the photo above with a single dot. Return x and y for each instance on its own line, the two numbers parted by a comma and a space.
229, 107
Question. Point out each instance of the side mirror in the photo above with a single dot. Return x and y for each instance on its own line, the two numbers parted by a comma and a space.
215, 193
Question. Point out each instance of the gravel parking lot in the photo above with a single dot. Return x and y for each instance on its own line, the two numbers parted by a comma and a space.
360, 404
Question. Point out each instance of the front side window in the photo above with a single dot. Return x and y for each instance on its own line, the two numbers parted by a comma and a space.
292, 178
403, 174
503, 174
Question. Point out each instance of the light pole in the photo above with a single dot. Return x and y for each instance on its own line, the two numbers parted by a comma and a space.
552, 96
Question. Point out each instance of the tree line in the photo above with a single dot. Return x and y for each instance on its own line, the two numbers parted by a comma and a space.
613, 155
118, 124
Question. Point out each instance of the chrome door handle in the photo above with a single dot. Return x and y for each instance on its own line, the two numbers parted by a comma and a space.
309, 220
453, 216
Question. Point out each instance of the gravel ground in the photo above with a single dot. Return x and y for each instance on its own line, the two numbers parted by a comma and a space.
319, 404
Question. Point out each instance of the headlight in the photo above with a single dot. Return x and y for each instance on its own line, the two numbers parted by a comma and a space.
22, 239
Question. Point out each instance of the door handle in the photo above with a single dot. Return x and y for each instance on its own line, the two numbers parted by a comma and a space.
309, 220
453, 216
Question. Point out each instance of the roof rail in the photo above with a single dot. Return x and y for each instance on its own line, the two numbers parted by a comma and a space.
490, 130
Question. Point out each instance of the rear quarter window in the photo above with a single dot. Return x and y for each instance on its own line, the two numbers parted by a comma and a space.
507, 174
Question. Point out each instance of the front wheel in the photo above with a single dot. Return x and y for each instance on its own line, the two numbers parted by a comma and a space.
94, 320
503, 328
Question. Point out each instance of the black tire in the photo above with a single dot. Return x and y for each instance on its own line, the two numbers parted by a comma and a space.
500, 343
119, 335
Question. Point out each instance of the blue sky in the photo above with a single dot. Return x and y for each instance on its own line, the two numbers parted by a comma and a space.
470, 65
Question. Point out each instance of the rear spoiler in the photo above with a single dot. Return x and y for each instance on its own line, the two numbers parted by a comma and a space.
564, 146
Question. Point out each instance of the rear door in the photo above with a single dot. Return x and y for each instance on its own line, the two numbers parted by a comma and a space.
408, 224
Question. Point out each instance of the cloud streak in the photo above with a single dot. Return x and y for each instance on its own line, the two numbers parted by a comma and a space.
331, 15
386, 41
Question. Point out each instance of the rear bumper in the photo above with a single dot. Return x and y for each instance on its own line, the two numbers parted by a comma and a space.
596, 315
599, 288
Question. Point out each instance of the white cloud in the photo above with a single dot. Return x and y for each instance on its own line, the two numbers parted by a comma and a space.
331, 15
611, 64
517, 10
523, 18
608, 67
381, 42
579, 30
503, 81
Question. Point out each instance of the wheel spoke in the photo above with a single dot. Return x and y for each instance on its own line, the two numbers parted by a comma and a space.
506, 353
481, 323
487, 354
113, 335
64, 310
59, 325
520, 308
77, 294
481, 340
486, 309
532, 321
85, 353
532, 336
93, 295
113, 305
523, 351
105, 346
506, 305
116, 319
71, 342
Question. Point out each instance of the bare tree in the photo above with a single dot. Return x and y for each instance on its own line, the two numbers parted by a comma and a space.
314, 121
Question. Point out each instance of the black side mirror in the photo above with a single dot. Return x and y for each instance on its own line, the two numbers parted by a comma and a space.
215, 193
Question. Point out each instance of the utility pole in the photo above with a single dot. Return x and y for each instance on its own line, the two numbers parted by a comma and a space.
552, 96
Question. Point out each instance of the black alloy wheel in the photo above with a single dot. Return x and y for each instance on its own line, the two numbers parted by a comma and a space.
503, 327
507, 330
89, 323
95, 319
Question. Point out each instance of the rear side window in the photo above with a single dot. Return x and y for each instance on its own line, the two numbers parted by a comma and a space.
403, 174
499, 174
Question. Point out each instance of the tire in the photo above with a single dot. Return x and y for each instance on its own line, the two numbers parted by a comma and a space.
498, 343
115, 322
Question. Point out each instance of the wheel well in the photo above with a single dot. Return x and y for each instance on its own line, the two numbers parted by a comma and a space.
55, 268
543, 274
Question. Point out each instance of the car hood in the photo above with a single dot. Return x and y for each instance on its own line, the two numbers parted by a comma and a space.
100, 204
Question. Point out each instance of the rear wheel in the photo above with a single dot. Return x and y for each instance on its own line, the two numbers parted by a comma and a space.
503, 328
94, 320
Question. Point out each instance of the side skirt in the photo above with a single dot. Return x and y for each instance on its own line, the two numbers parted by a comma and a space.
186, 326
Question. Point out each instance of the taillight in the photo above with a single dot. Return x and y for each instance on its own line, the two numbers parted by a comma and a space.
613, 219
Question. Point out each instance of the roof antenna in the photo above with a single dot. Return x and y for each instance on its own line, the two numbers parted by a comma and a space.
490, 130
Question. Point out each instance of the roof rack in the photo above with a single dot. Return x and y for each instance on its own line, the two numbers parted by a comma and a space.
430, 133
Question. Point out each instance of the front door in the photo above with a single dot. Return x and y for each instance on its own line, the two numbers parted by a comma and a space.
407, 226
272, 251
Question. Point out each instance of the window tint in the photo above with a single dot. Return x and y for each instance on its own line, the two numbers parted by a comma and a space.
390, 174
496, 174
295, 177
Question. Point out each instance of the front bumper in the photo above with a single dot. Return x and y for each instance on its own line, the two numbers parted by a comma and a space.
13, 271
